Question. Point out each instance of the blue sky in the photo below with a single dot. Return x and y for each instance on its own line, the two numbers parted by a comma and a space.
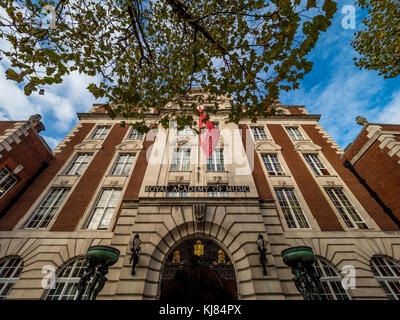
335, 88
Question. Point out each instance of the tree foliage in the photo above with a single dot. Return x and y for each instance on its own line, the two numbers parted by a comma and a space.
379, 42
150, 52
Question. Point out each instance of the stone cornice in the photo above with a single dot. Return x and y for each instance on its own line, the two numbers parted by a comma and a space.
105, 116
12, 135
178, 201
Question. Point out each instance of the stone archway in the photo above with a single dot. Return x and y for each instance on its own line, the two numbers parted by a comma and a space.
198, 270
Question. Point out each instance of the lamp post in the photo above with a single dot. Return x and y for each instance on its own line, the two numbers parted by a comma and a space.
301, 259
135, 249
262, 248
99, 259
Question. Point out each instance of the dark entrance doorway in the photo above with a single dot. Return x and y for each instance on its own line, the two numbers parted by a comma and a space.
198, 270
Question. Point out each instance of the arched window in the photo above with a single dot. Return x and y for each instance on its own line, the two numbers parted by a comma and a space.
10, 269
331, 281
66, 286
387, 273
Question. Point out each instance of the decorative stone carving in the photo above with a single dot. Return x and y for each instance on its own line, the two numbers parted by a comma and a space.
36, 123
267, 146
199, 215
129, 146
217, 179
306, 146
361, 121
88, 145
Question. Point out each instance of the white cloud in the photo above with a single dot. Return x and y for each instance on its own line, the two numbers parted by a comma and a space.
51, 141
391, 112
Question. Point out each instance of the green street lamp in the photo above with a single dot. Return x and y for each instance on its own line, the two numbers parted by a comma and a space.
301, 259
99, 259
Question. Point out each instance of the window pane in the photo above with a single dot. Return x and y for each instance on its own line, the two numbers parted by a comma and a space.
66, 286
7, 180
10, 269
180, 160
345, 208
291, 208
48, 208
331, 281
386, 272
103, 211
100, 132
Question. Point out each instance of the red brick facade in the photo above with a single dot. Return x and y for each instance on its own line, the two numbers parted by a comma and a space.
30, 153
380, 171
260, 181
77, 203
316, 201
18, 210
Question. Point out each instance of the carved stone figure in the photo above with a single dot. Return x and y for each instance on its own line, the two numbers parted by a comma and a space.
199, 214
361, 121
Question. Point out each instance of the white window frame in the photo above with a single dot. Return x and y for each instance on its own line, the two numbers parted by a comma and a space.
17, 264
182, 194
259, 133
316, 165
384, 280
82, 164
125, 164
273, 165
215, 163
69, 282
134, 135
218, 194
181, 160
62, 193
294, 216
3, 180
104, 207
295, 135
331, 280
103, 132
351, 219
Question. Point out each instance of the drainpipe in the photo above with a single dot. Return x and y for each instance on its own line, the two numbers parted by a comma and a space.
373, 194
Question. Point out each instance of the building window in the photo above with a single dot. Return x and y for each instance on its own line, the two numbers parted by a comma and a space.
79, 164
66, 285
387, 273
123, 165
10, 269
331, 281
7, 180
216, 161
294, 133
180, 159
316, 165
220, 194
177, 194
272, 164
100, 132
291, 208
134, 135
349, 214
104, 209
259, 133
43, 214
280, 112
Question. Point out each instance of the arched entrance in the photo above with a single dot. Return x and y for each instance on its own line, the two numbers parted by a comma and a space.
198, 270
